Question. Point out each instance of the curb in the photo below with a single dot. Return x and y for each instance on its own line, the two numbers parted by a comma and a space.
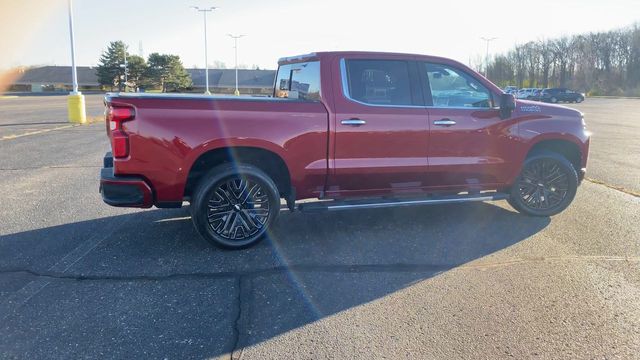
614, 97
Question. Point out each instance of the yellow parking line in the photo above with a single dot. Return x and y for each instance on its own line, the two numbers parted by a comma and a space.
15, 136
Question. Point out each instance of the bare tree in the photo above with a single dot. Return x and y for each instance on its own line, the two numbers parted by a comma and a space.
600, 63
532, 61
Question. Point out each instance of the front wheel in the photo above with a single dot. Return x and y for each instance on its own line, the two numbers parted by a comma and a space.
234, 205
546, 186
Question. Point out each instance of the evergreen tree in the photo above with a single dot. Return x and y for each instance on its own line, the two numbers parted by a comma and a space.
167, 72
109, 71
136, 70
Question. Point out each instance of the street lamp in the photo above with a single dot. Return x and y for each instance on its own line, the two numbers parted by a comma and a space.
486, 64
235, 46
75, 100
204, 12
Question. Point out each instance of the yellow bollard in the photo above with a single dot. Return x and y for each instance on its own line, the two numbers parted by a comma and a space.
236, 93
75, 104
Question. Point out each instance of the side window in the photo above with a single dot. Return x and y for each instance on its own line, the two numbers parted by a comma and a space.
379, 82
454, 88
298, 81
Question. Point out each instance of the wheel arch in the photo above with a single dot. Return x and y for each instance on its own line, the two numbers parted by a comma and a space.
567, 148
266, 160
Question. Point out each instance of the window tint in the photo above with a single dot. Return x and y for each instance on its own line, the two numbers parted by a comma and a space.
454, 88
379, 82
298, 81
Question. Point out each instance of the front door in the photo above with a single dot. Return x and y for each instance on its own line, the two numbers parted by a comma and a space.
469, 145
381, 129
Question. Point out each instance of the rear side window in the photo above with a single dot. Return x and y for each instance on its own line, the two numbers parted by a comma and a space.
454, 88
379, 82
298, 81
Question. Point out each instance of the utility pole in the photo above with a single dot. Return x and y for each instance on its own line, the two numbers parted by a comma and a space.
235, 46
204, 12
75, 100
486, 64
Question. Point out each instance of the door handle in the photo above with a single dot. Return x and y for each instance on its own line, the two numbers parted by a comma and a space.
353, 122
444, 122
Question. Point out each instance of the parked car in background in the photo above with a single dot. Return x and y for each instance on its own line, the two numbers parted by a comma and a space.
555, 95
511, 90
524, 93
536, 94
355, 129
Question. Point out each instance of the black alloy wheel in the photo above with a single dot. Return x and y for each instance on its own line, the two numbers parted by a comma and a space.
546, 185
237, 209
234, 205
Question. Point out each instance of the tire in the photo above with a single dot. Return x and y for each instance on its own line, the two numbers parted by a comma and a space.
554, 100
579, 100
234, 205
546, 185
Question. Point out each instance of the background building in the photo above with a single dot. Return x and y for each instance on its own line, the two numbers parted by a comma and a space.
221, 81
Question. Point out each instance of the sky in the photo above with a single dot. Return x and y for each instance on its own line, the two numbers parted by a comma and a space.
36, 32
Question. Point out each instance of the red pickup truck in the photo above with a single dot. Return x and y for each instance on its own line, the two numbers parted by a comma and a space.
352, 129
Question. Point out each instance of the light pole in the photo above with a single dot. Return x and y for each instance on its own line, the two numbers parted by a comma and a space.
204, 12
75, 100
235, 46
124, 65
486, 64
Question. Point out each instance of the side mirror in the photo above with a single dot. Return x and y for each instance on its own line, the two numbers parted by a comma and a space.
507, 105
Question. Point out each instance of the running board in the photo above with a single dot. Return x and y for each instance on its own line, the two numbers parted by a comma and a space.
335, 205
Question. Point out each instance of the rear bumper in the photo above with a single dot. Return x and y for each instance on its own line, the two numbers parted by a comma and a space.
121, 191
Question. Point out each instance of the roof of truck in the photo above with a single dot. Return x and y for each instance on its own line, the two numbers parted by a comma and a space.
380, 54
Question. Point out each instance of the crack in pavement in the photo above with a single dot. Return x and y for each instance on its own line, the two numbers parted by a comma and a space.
310, 268
250, 274
614, 187
236, 353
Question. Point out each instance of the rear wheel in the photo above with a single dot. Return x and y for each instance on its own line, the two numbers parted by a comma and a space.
554, 100
546, 186
234, 206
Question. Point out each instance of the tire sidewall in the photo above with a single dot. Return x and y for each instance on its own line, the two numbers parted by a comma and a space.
516, 200
208, 184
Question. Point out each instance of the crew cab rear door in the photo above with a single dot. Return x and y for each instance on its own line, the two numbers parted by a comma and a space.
381, 128
469, 144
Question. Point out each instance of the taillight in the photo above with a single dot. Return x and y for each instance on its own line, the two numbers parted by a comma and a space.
116, 116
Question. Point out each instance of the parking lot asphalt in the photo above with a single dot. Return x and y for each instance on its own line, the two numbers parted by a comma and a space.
615, 144
81, 279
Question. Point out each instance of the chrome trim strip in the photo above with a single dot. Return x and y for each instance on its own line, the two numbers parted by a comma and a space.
347, 95
410, 203
461, 108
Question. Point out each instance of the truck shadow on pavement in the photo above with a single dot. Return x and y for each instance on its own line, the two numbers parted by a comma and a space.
147, 282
